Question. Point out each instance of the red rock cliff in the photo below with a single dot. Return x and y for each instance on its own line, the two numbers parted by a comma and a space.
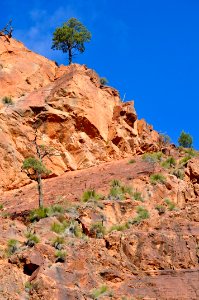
84, 121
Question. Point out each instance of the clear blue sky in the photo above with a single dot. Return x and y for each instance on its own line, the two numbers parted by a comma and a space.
147, 49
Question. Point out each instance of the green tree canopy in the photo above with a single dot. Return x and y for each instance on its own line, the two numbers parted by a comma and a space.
32, 163
185, 140
71, 38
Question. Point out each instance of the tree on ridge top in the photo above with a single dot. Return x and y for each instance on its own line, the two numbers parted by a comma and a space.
71, 37
185, 140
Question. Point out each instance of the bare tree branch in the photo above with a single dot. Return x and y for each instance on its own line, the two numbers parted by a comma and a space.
7, 31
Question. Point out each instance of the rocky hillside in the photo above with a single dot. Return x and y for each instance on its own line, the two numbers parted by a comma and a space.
84, 121
121, 216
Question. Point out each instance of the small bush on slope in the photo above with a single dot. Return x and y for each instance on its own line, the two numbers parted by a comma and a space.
157, 178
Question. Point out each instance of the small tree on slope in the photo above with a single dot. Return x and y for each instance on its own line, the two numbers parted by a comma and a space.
71, 37
185, 140
35, 168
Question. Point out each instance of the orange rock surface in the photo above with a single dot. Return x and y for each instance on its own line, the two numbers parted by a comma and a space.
85, 122
132, 236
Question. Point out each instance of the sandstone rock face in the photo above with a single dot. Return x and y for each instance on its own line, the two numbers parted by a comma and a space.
156, 258
193, 170
139, 238
85, 122
21, 70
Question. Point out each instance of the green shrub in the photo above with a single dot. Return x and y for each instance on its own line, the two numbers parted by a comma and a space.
118, 190
184, 160
1, 206
90, 195
58, 242
142, 214
44, 212
7, 100
96, 293
161, 209
103, 81
98, 230
28, 286
32, 239
191, 152
59, 227
5, 214
74, 229
119, 227
152, 157
170, 204
185, 140
157, 178
56, 209
132, 161
12, 246
178, 173
138, 196
116, 194
126, 189
116, 183
60, 255
39, 213
169, 162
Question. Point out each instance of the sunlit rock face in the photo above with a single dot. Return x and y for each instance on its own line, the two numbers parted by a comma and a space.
84, 121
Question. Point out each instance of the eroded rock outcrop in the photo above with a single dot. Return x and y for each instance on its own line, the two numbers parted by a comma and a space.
84, 121
138, 240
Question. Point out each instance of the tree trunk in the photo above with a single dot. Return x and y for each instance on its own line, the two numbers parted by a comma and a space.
40, 190
70, 56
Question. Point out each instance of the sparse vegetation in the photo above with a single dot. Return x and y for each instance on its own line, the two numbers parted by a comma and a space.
1, 206
185, 140
191, 152
169, 162
32, 239
12, 246
74, 229
103, 81
39, 213
157, 178
119, 227
184, 160
170, 204
90, 195
7, 100
28, 286
142, 214
5, 214
96, 293
152, 157
161, 209
98, 230
56, 210
59, 227
138, 196
179, 173
132, 161
60, 255
58, 242
115, 183
118, 191
44, 212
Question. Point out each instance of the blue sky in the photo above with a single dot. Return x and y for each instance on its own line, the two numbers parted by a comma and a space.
148, 50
